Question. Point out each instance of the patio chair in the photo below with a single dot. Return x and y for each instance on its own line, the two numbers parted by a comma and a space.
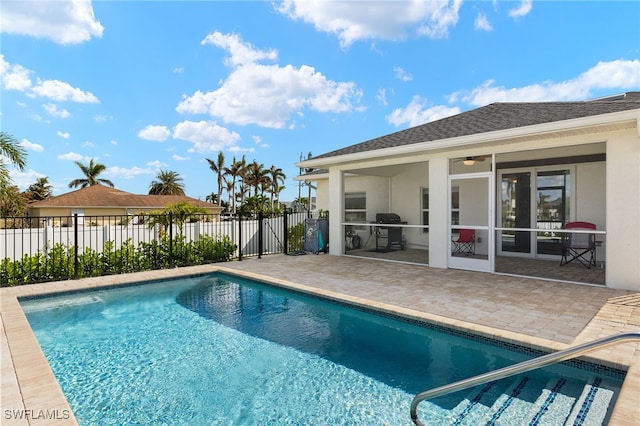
465, 243
580, 246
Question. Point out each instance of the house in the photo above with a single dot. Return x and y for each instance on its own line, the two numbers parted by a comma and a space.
514, 173
102, 201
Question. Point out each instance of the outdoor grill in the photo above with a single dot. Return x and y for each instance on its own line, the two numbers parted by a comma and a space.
392, 234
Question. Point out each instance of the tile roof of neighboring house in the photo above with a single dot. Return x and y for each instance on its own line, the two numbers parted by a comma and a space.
104, 196
493, 117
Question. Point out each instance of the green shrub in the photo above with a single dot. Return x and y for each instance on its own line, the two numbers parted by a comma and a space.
58, 263
295, 239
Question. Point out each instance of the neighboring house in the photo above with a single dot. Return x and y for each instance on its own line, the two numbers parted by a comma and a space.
100, 200
512, 172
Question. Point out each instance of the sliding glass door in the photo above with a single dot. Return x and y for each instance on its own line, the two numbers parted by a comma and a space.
533, 203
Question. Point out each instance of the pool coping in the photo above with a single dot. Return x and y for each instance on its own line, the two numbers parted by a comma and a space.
35, 392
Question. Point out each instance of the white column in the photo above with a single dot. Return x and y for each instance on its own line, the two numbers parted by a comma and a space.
438, 212
623, 205
336, 211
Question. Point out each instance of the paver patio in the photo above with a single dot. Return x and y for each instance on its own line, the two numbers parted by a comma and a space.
536, 313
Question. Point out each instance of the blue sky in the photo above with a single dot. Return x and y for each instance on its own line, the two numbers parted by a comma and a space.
143, 86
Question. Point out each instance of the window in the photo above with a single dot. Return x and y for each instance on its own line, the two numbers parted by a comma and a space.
355, 207
425, 209
455, 205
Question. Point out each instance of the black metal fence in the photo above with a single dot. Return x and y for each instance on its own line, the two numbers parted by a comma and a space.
39, 249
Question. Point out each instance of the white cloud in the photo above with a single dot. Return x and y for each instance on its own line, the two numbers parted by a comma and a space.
30, 146
17, 77
619, 75
258, 141
157, 164
482, 23
113, 142
241, 52
206, 136
53, 110
155, 133
237, 149
352, 21
63, 135
64, 22
62, 91
382, 96
88, 144
72, 156
122, 172
179, 158
402, 74
523, 9
414, 115
268, 95
14, 77
24, 179
102, 118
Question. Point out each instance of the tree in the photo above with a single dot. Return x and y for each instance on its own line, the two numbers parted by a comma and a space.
16, 154
12, 202
177, 213
277, 177
167, 183
218, 168
91, 173
235, 170
40, 190
212, 198
230, 186
256, 176
306, 182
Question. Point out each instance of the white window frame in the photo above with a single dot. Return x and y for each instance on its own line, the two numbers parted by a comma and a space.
423, 210
360, 212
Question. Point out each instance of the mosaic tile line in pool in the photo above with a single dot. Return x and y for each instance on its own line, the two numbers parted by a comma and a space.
113, 286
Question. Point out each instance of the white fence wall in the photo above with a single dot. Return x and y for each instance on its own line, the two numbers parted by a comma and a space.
15, 243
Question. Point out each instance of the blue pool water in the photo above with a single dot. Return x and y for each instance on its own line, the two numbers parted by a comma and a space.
222, 350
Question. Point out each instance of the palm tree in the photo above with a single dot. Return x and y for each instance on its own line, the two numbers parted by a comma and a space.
9, 148
235, 170
277, 188
277, 177
167, 183
91, 173
211, 198
12, 202
256, 176
40, 190
218, 168
243, 190
230, 186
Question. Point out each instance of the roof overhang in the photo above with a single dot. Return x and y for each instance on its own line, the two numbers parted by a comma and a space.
592, 124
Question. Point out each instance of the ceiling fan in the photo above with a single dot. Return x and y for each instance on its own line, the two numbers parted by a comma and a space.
471, 160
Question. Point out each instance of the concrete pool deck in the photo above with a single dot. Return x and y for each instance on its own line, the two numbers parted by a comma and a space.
535, 313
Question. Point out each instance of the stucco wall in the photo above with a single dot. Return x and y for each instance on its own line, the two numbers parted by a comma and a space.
623, 211
406, 200
607, 194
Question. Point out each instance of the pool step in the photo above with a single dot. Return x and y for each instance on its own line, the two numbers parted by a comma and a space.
592, 406
521, 402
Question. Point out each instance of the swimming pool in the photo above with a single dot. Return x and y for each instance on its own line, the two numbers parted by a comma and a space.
219, 349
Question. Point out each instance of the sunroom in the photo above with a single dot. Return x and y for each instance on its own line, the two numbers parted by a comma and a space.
499, 201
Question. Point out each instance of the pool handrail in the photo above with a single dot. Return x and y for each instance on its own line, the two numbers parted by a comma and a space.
523, 367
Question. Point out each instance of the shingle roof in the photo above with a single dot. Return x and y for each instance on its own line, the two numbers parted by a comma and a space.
104, 196
493, 117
